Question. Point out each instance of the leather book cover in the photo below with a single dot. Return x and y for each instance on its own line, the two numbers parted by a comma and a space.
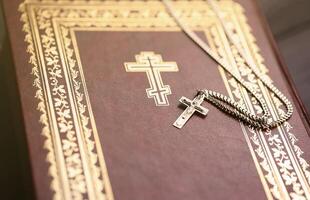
100, 81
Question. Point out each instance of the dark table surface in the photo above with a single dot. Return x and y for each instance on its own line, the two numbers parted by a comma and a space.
289, 21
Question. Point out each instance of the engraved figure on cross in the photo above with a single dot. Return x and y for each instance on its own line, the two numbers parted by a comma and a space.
152, 64
192, 107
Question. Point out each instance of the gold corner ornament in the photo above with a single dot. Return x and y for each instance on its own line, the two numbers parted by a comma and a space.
152, 64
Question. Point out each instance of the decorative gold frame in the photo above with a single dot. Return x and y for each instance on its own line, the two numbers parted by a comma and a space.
75, 156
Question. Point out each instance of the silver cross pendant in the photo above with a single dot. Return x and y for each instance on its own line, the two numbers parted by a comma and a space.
192, 107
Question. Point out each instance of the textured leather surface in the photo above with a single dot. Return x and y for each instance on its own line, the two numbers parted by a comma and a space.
145, 154
147, 158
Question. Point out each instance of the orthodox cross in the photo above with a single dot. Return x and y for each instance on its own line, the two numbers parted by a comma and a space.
152, 64
192, 107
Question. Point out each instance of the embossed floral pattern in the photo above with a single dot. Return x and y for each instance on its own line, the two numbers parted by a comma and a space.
76, 167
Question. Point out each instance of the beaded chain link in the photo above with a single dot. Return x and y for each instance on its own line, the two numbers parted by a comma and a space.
223, 102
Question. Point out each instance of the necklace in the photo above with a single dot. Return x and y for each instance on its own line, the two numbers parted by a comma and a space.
221, 101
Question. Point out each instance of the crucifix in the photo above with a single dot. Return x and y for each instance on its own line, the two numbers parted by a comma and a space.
152, 64
192, 107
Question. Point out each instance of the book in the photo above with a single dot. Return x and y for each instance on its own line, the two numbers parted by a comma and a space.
99, 85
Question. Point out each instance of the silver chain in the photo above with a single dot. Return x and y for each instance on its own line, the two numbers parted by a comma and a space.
223, 102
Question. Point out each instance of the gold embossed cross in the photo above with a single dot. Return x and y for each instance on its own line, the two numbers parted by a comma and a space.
192, 107
152, 65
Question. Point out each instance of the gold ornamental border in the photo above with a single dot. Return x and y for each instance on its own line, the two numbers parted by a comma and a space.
75, 156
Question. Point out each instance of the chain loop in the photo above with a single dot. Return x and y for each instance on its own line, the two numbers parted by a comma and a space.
223, 102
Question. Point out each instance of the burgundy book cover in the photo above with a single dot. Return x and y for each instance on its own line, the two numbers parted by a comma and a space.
99, 83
